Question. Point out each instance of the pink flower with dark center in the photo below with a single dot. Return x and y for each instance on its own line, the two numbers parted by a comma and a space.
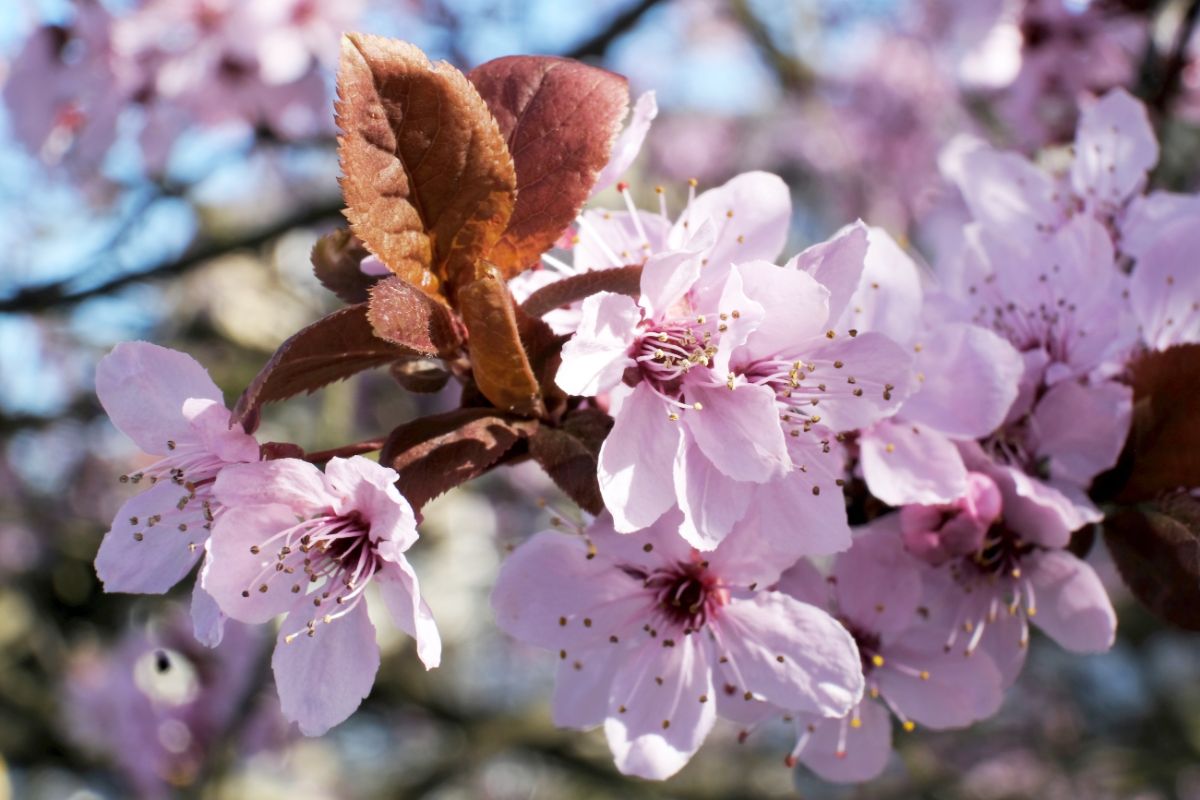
875, 591
938, 533
168, 405
298, 541
650, 632
1021, 573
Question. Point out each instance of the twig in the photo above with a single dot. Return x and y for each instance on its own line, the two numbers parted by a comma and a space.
597, 46
59, 294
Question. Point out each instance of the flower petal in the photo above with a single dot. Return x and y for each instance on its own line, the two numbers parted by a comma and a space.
551, 594
837, 264
712, 503
795, 306
738, 429
790, 654
1081, 429
323, 678
208, 621
878, 582
629, 143
284, 481
582, 686
143, 387
1072, 607
853, 375
1114, 149
402, 595
907, 463
163, 554
594, 359
661, 707
968, 381
369, 488
958, 691
237, 574
636, 461
840, 752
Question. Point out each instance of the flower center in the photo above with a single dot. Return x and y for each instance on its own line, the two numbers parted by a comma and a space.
668, 351
687, 595
193, 469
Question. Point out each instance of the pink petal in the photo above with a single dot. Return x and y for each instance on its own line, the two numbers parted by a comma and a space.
958, 691
758, 229
284, 481
786, 521
594, 359
968, 381
369, 488
1114, 149
841, 753
654, 727
712, 503
1155, 216
873, 361
209, 425
741, 317
662, 537
234, 569
323, 678
1082, 429
637, 461
402, 595
163, 556
629, 143
1007, 193
878, 583
795, 305
1072, 607
143, 387
666, 278
790, 654
889, 296
611, 239
582, 686
738, 429
907, 463
551, 594
1164, 289
208, 622
805, 582
837, 264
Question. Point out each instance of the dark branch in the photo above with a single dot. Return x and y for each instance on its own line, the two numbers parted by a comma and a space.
595, 47
1161, 78
59, 294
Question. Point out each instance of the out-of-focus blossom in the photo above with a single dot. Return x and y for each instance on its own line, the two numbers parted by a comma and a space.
875, 590
65, 90
650, 632
161, 707
166, 403
307, 543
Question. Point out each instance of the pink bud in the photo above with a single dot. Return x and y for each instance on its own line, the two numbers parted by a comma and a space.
938, 533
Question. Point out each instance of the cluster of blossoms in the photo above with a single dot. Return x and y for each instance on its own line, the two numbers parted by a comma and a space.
181, 64
746, 397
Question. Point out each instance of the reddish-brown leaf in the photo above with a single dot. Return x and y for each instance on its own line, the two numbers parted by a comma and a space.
1158, 555
1163, 452
336, 259
401, 313
498, 361
570, 454
428, 181
622, 280
331, 349
435, 454
560, 119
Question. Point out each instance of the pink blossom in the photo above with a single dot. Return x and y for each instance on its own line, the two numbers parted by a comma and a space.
876, 591
64, 91
307, 543
1020, 574
650, 632
966, 380
629, 143
166, 403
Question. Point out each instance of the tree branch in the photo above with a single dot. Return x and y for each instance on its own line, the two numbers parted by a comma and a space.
59, 294
597, 46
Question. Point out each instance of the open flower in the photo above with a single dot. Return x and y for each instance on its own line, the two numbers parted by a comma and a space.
876, 591
649, 631
1020, 574
167, 404
298, 541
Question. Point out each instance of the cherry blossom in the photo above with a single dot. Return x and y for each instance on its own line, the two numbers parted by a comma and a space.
650, 632
875, 590
307, 543
166, 403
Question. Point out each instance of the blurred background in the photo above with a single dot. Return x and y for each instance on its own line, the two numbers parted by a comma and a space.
165, 168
